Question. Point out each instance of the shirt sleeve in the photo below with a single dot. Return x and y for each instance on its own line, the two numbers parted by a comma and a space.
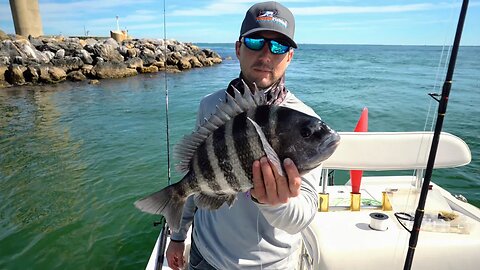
297, 214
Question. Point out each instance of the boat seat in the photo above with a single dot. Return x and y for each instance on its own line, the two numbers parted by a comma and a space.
384, 151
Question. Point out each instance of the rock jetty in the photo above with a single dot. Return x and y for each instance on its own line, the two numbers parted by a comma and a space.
47, 60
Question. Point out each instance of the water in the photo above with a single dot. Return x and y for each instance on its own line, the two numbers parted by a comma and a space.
74, 157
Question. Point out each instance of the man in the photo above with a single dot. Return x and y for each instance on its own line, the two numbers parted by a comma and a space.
262, 229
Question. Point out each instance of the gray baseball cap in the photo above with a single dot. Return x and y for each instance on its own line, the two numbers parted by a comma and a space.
269, 16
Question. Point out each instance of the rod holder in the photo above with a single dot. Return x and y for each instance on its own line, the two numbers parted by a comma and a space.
386, 205
355, 199
323, 202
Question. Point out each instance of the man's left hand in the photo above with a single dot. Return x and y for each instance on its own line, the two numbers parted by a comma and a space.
271, 188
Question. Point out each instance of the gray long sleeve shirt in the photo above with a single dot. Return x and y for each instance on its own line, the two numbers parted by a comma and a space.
249, 235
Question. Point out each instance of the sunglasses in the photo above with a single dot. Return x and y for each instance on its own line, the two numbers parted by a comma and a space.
256, 44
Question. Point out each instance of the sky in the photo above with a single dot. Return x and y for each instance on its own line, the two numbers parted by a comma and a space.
387, 22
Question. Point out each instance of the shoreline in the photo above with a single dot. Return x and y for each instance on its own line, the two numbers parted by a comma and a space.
51, 60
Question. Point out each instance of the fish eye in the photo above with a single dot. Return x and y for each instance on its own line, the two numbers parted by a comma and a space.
305, 132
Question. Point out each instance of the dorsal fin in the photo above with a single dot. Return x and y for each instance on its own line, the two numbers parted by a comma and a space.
225, 111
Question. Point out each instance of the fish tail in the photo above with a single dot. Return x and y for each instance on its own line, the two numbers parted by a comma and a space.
169, 202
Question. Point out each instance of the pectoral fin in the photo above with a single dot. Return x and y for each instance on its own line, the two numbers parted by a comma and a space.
271, 155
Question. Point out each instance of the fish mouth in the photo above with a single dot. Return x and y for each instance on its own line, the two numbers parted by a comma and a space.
326, 148
333, 142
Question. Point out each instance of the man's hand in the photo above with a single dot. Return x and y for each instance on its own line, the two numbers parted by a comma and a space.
175, 255
271, 188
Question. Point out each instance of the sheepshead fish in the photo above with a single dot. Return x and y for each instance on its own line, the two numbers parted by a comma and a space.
218, 157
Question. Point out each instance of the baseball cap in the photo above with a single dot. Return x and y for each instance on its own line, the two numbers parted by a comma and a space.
269, 16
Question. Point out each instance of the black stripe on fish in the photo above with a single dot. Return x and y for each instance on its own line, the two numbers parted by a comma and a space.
206, 169
224, 162
262, 116
243, 146
193, 183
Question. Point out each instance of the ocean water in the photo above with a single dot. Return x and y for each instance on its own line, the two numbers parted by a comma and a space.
74, 157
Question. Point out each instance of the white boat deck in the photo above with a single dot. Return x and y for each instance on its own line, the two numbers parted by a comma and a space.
345, 240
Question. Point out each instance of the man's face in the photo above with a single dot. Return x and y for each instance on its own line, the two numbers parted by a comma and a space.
262, 67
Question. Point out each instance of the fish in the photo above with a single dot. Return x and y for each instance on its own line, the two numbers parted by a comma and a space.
217, 158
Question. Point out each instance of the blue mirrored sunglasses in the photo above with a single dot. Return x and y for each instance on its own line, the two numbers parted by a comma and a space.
256, 44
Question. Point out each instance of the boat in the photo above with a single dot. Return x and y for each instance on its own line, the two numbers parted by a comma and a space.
339, 238
398, 212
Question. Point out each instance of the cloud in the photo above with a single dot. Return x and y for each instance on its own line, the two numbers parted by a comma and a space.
222, 8
330, 10
215, 9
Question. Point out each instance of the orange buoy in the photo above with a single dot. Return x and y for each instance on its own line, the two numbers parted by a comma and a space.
356, 175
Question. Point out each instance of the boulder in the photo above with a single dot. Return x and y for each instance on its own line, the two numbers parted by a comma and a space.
134, 63
4, 60
32, 73
107, 52
150, 69
71, 46
112, 42
50, 55
76, 76
215, 60
147, 56
85, 56
14, 75
36, 42
10, 50
184, 63
104, 70
174, 48
132, 52
210, 54
51, 74
60, 54
3, 79
173, 58
51, 46
204, 60
68, 63
194, 62
87, 70
159, 64
18, 60
123, 50
91, 41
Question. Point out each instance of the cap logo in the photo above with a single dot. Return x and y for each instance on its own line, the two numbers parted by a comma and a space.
270, 16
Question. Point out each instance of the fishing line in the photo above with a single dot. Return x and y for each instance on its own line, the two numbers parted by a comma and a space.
443, 59
431, 116
165, 228
166, 90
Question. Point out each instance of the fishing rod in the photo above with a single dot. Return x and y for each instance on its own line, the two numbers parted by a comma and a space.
164, 231
442, 109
